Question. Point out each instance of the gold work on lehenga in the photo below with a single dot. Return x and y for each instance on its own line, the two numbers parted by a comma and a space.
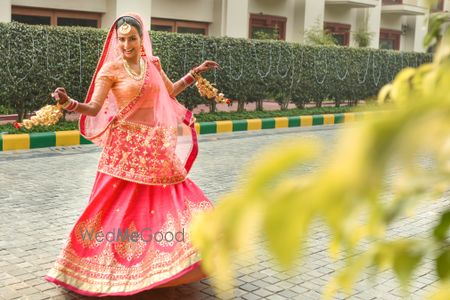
103, 272
130, 249
85, 231
142, 154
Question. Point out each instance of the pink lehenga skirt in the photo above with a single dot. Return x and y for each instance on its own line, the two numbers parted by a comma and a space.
130, 238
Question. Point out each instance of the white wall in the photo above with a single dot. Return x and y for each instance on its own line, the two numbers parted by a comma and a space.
80, 5
116, 8
393, 22
420, 30
299, 21
192, 10
142, 7
374, 23
235, 18
231, 17
217, 25
5, 11
110, 15
314, 14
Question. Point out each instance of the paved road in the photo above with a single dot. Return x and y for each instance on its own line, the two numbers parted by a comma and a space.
43, 191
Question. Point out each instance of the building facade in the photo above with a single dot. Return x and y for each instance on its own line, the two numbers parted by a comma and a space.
392, 24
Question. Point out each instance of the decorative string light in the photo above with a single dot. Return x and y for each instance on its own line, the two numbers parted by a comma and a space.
30, 69
315, 71
257, 59
278, 64
365, 73
376, 80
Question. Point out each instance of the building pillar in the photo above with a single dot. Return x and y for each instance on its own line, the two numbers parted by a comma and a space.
115, 8
235, 18
420, 31
5, 11
314, 14
299, 20
217, 25
372, 16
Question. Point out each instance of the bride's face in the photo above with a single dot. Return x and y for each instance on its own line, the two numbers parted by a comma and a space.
130, 44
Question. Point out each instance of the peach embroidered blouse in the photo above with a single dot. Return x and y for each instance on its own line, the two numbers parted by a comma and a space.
133, 152
114, 76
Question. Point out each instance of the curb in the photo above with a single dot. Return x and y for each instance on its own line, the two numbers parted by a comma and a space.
71, 138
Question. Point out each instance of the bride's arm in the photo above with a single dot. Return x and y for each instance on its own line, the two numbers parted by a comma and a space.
90, 109
176, 88
103, 84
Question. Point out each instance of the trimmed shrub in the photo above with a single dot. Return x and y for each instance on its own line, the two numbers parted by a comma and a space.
36, 59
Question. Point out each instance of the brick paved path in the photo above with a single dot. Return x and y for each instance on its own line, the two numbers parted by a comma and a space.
43, 192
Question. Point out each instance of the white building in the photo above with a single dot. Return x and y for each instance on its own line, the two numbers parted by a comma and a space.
394, 24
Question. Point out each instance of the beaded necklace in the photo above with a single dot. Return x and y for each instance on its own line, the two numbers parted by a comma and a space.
133, 74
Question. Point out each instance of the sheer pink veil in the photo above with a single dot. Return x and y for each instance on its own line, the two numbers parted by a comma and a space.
153, 110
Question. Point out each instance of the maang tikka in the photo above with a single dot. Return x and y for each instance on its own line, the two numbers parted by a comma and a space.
125, 28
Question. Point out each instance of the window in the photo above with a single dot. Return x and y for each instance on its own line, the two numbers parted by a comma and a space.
32, 20
179, 26
267, 27
392, 2
437, 6
340, 32
40, 16
77, 22
390, 39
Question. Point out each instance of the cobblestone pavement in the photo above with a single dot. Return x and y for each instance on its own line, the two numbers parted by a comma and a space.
43, 192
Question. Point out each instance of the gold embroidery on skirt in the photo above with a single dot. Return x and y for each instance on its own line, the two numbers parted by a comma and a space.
104, 273
85, 231
131, 247
142, 154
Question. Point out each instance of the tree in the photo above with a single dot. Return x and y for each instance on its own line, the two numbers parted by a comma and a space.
347, 192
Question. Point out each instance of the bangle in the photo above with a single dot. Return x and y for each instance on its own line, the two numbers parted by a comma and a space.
188, 79
70, 105
194, 74
66, 104
74, 106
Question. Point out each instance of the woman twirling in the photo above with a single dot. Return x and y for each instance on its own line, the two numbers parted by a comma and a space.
134, 233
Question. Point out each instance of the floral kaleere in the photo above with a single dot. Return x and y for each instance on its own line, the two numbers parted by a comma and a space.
207, 90
47, 115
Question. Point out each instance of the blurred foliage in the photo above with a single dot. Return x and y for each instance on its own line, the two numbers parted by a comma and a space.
36, 59
318, 36
362, 37
436, 24
350, 194
266, 34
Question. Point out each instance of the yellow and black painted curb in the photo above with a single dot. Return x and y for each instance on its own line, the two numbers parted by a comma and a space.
73, 137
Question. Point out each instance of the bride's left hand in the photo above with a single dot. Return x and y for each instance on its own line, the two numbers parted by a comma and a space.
206, 65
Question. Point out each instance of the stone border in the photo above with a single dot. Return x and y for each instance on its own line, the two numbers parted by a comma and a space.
73, 137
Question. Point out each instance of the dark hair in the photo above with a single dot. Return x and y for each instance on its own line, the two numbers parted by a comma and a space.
129, 20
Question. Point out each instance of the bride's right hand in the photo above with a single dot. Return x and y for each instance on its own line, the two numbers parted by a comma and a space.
60, 95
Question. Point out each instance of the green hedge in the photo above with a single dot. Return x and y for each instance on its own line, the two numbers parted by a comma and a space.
36, 59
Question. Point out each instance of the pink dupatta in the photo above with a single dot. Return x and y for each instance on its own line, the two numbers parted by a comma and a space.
154, 113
